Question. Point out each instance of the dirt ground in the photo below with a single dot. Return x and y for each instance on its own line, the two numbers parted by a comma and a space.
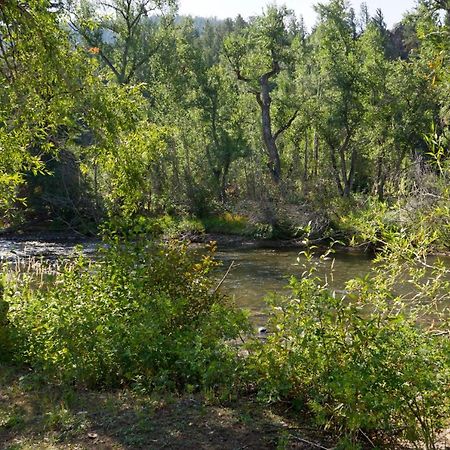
36, 415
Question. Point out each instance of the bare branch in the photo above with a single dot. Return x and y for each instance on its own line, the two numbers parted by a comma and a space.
286, 125
94, 44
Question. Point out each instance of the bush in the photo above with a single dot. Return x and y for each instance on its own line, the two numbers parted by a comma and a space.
5, 344
165, 226
363, 364
228, 223
142, 312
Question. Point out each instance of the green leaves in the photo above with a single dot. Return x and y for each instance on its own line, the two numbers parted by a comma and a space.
365, 363
41, 73
141, 311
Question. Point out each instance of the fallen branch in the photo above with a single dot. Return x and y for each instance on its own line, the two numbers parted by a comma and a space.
223, 278
311, 443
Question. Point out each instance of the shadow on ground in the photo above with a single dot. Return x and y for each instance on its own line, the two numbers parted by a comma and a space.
34, 415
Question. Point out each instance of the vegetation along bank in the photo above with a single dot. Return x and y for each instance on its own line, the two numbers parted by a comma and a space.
125, 122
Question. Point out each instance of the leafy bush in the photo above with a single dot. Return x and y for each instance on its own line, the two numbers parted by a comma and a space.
228, 223
363, 363
142, 312
166, 226
4, 327
370, 223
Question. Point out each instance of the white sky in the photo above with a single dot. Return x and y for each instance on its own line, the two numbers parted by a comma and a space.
393, 10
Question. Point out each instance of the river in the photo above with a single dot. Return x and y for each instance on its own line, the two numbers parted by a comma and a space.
256, 271
259, 271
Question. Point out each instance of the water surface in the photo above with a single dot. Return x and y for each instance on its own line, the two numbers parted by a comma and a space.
256, 271
259, 271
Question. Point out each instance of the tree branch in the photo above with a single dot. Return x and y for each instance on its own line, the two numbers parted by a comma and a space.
286, 125
275, 71
94, 44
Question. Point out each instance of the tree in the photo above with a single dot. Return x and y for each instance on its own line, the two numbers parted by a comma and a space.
123, 33
40, 74
258, 55
340, 104
224, 120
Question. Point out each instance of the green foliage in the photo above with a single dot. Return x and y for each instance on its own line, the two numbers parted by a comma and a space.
228, 224
126, 41
367, 223
130, 166
38, 74
142, 313
365, 362
162, 226
5, 344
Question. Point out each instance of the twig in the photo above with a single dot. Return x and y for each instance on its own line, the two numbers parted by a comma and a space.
440, 333
311, 443
367, 437
223, 278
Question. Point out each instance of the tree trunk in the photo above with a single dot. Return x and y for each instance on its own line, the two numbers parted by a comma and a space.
305, 168
381, 178
350, 178
223, 182
336, 174
269, 139
316, 154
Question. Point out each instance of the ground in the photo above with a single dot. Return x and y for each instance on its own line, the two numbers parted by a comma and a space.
35, 415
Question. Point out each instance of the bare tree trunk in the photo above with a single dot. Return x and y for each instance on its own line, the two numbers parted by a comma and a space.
344, 177
269, 139
264, 100
316, 154
350, 178
305, 168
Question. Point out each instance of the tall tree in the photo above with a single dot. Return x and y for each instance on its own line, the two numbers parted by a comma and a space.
260, 56
340, 105
125, 34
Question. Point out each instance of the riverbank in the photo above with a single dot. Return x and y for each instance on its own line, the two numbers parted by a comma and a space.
355, 225
58, 244
81, 332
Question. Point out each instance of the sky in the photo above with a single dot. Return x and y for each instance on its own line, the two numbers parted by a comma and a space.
393, 10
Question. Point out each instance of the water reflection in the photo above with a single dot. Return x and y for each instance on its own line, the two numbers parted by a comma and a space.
256, 272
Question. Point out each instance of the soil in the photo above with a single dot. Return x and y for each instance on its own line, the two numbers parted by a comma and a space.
35, 415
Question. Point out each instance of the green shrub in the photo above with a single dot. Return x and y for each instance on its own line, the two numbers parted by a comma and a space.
362, 364
165, 225
5, 343
142, 312
228, 224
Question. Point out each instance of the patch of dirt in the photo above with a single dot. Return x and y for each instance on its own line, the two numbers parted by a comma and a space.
34, 415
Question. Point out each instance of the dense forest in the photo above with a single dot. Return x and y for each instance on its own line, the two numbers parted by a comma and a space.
124, 110
122, 120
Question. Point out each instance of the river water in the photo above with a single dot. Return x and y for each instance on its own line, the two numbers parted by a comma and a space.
256, 270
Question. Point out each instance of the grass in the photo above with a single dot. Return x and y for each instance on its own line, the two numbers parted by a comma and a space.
35, 415
237, 225
227, 223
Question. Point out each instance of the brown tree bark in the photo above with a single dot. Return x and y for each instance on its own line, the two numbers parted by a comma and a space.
264, 100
